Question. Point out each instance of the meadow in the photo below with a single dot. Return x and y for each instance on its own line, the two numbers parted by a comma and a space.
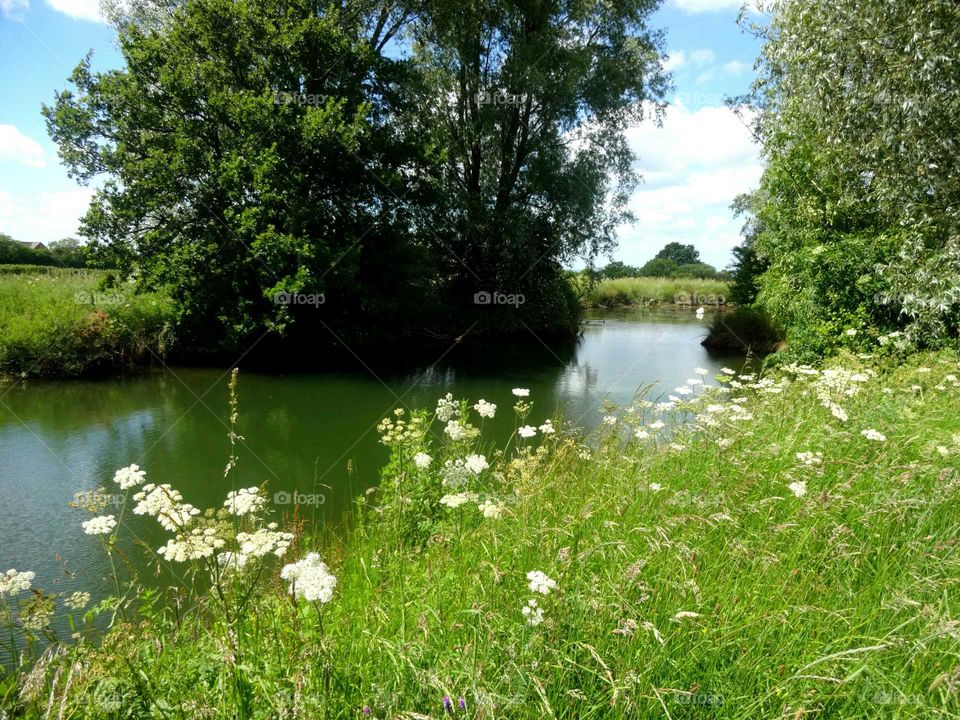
652, 291
742, 546
70, 322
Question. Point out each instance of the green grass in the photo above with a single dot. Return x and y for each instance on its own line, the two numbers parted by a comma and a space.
654, 291
58, 322
842, 603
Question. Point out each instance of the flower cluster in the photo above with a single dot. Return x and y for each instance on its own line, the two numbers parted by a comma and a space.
15, 581
246, 501
194, 544
485, 409
101, 525
264, 541
540, 582
166, 505
310, 579
129, 477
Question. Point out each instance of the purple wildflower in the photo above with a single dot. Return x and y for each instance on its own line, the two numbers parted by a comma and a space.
463, 704
447, 704
366, 710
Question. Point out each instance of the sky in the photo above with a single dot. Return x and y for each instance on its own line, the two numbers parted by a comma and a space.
693, 166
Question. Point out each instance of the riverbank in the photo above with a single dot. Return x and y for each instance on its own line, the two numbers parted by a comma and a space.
636, 291
790, 553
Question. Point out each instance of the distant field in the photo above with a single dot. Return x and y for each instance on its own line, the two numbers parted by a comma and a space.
57, 321
654, 291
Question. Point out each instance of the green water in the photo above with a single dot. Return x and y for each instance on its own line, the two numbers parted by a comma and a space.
309, 436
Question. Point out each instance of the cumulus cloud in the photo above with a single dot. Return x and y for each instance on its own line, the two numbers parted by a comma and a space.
735, 67
78, 9
694, 167
43, 217
14, 9
16, 146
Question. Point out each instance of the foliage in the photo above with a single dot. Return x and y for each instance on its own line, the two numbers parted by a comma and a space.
746, 330
617, 269
858, 211
69, 252
13, 253
654, 291
260, 147
63, 323
679, 253
756, 565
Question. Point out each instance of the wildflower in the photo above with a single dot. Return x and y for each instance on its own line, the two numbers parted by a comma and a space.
456, 431
264, 541
871, 434
850, 332
656, 487
838, 412
521, 392
683, 390
527, 431
231, 561
101, 525
462, 702
657, 424
641, 434
455, 473
129, 477
533, 613
728, 371
490, 509
310, 579
366, 710
610, 420
539, 582
165, 504
14, 581
476, 464
683, 614
422, 460
193, 545
694, 381
810, 458
447, 407
447, 704
547, 427
700, 371
943, 450
245, 501
725, 442
798, 488
485, 409
77, 600
457, 499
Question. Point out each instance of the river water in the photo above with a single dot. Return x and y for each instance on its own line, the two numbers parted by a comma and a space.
311, 437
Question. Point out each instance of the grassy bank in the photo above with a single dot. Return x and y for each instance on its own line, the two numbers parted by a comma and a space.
791, 554
56, 322
652, 291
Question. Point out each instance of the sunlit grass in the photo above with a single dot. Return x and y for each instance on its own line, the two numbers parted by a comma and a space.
653, 291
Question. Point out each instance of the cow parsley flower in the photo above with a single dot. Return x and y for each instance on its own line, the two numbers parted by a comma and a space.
798, 488
193, 545
485, 409
457, 499
609, 420
129, 477
641, 434
657, 425
422, 460
527, 431
683, 390
455, 473
310, 579
547, 427
476, 464
232, 561
166, 505
533, 613
700, 371
521, 392
810, 458
15, 581
245, 501
457, 431
728, 371
447, 408
838, 412
871, 434
77, 600
490, 509
101, 525
264, 541
540, 583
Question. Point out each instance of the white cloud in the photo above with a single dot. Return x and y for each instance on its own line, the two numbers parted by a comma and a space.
78, 9
702, 56
14, 9
735, 67
694, 167
43, 217
675, 60
699, 6
16, 146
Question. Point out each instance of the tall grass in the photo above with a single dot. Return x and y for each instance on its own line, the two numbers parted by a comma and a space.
61, 323
654, 291
706, 570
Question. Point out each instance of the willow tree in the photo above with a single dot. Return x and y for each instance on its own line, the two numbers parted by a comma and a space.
860, 202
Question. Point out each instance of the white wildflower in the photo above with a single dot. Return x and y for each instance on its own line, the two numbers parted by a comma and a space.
810, 458
455, 473
231, 561
193, 545
527, 431
850, 332
700, 371
101, 525
521, 392
540, 583
657, 425
457, 499
728, 371
547, 427
476, 464
683, 390
245, 501
798, 488
871, 434
129, 477
447, 407
264, 541
422, 460
533, 613
838, 412
77, 600
641, 434
310, 579
166, 505
15, 581
485, 409
609, 419
490, 509
656, 487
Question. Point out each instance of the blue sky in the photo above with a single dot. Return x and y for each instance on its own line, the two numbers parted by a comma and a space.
694, 165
